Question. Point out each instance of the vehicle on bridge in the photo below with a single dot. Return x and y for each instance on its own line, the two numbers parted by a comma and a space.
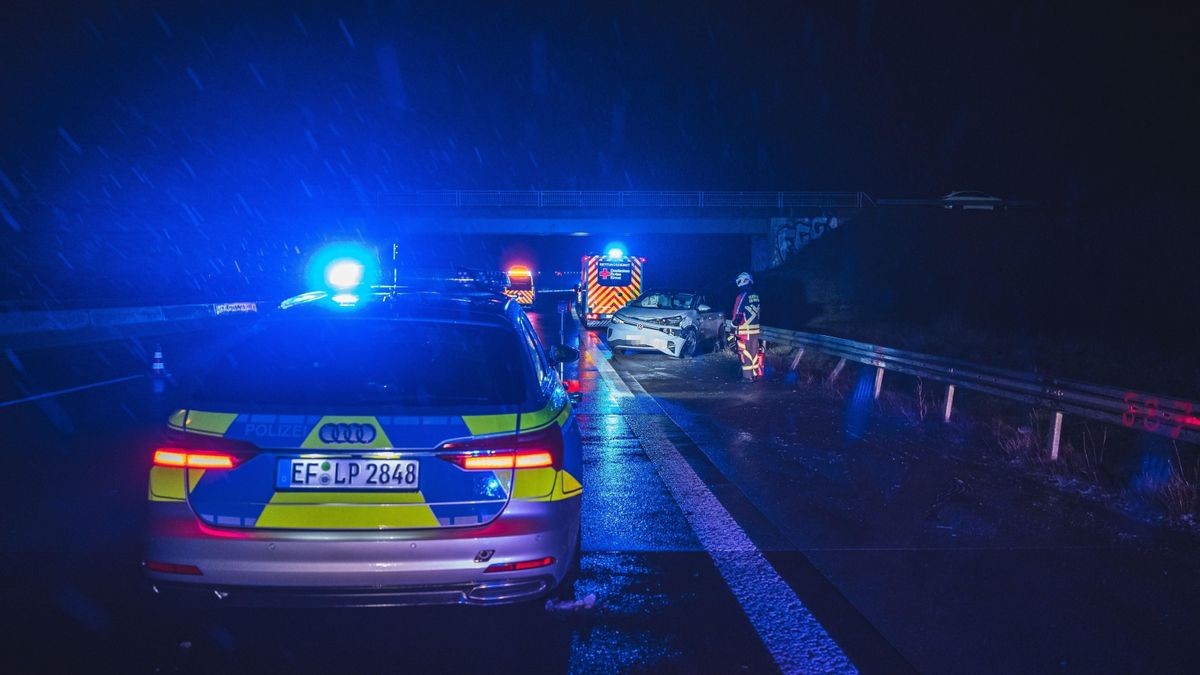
971, 200
673, 322
520, 285
607, 283
372, 445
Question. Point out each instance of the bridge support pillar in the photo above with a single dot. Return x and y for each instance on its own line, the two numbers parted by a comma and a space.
760, 253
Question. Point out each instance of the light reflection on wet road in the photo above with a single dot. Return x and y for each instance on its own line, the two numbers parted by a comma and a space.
851, 511
72, 573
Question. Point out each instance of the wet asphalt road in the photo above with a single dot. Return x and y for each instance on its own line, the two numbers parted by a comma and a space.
726, 529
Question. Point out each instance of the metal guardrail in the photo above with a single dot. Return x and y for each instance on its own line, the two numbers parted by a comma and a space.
624, 199
1162, 415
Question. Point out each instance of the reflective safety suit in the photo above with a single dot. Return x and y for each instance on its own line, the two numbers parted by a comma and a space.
747, 325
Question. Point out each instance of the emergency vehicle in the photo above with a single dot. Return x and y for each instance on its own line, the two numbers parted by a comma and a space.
608, 282
520, 285
365, 445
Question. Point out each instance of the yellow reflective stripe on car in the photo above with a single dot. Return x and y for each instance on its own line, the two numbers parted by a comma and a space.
346, 517
568, 484
176, 420
486, 425
563, 416
211, 423
166, 483
533, 483
314, 436
549, 486
541, 418
338, 498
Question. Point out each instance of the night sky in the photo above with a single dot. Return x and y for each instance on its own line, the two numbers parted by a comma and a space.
134, 124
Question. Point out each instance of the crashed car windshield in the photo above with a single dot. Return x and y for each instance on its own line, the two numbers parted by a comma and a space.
665, 300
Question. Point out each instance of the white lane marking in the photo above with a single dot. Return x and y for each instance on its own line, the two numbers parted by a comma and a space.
81, 387
793, 636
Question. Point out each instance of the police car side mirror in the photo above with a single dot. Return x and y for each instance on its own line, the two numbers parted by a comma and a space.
563, 354
704, 308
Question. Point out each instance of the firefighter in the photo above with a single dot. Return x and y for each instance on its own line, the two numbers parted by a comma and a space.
747, 325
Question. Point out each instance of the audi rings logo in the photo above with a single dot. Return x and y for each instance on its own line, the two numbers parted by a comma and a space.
347, 433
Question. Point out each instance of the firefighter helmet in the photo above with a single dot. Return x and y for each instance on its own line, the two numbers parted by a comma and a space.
744, 279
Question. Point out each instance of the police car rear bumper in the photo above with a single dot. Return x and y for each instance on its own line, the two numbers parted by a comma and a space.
355, 568
625, 336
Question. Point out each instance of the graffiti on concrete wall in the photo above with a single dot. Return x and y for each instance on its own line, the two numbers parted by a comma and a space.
790, 235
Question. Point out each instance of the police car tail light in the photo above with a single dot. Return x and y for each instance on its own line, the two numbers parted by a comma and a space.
180, 458
530, 450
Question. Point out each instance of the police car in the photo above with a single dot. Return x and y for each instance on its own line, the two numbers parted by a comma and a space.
372, 445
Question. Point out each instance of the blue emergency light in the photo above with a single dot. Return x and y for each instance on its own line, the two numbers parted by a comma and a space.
616, 253
341, 268
344, 274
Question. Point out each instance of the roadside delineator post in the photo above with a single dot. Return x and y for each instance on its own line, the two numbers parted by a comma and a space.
949, 403
878, 381
158, 370
1055, 436
837, 370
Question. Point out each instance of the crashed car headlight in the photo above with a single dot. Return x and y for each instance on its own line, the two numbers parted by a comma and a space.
668, 320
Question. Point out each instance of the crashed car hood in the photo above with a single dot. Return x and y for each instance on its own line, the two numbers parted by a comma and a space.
648, 314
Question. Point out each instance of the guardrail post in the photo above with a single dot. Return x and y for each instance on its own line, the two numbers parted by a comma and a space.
878, 380
837, 370
1055, 436
949, 403
796, 360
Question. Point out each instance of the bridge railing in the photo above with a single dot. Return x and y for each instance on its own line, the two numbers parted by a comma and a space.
1153, 413
624, 199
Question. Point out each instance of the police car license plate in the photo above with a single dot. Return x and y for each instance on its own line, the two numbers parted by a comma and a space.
347, 474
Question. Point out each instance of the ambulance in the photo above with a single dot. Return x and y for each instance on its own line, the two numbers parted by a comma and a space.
520, 285
607, 283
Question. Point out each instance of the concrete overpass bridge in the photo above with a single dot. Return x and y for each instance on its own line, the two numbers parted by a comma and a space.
609, 212
762, 216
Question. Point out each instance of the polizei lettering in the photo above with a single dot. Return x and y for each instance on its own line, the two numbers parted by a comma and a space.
276, 430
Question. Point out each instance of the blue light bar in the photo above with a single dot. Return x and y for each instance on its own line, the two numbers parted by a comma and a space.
342, 267
344, 274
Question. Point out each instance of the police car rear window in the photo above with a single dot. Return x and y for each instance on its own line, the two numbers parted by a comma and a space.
339, 363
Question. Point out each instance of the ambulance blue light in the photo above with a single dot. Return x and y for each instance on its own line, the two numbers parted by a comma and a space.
345, 299
615, 253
